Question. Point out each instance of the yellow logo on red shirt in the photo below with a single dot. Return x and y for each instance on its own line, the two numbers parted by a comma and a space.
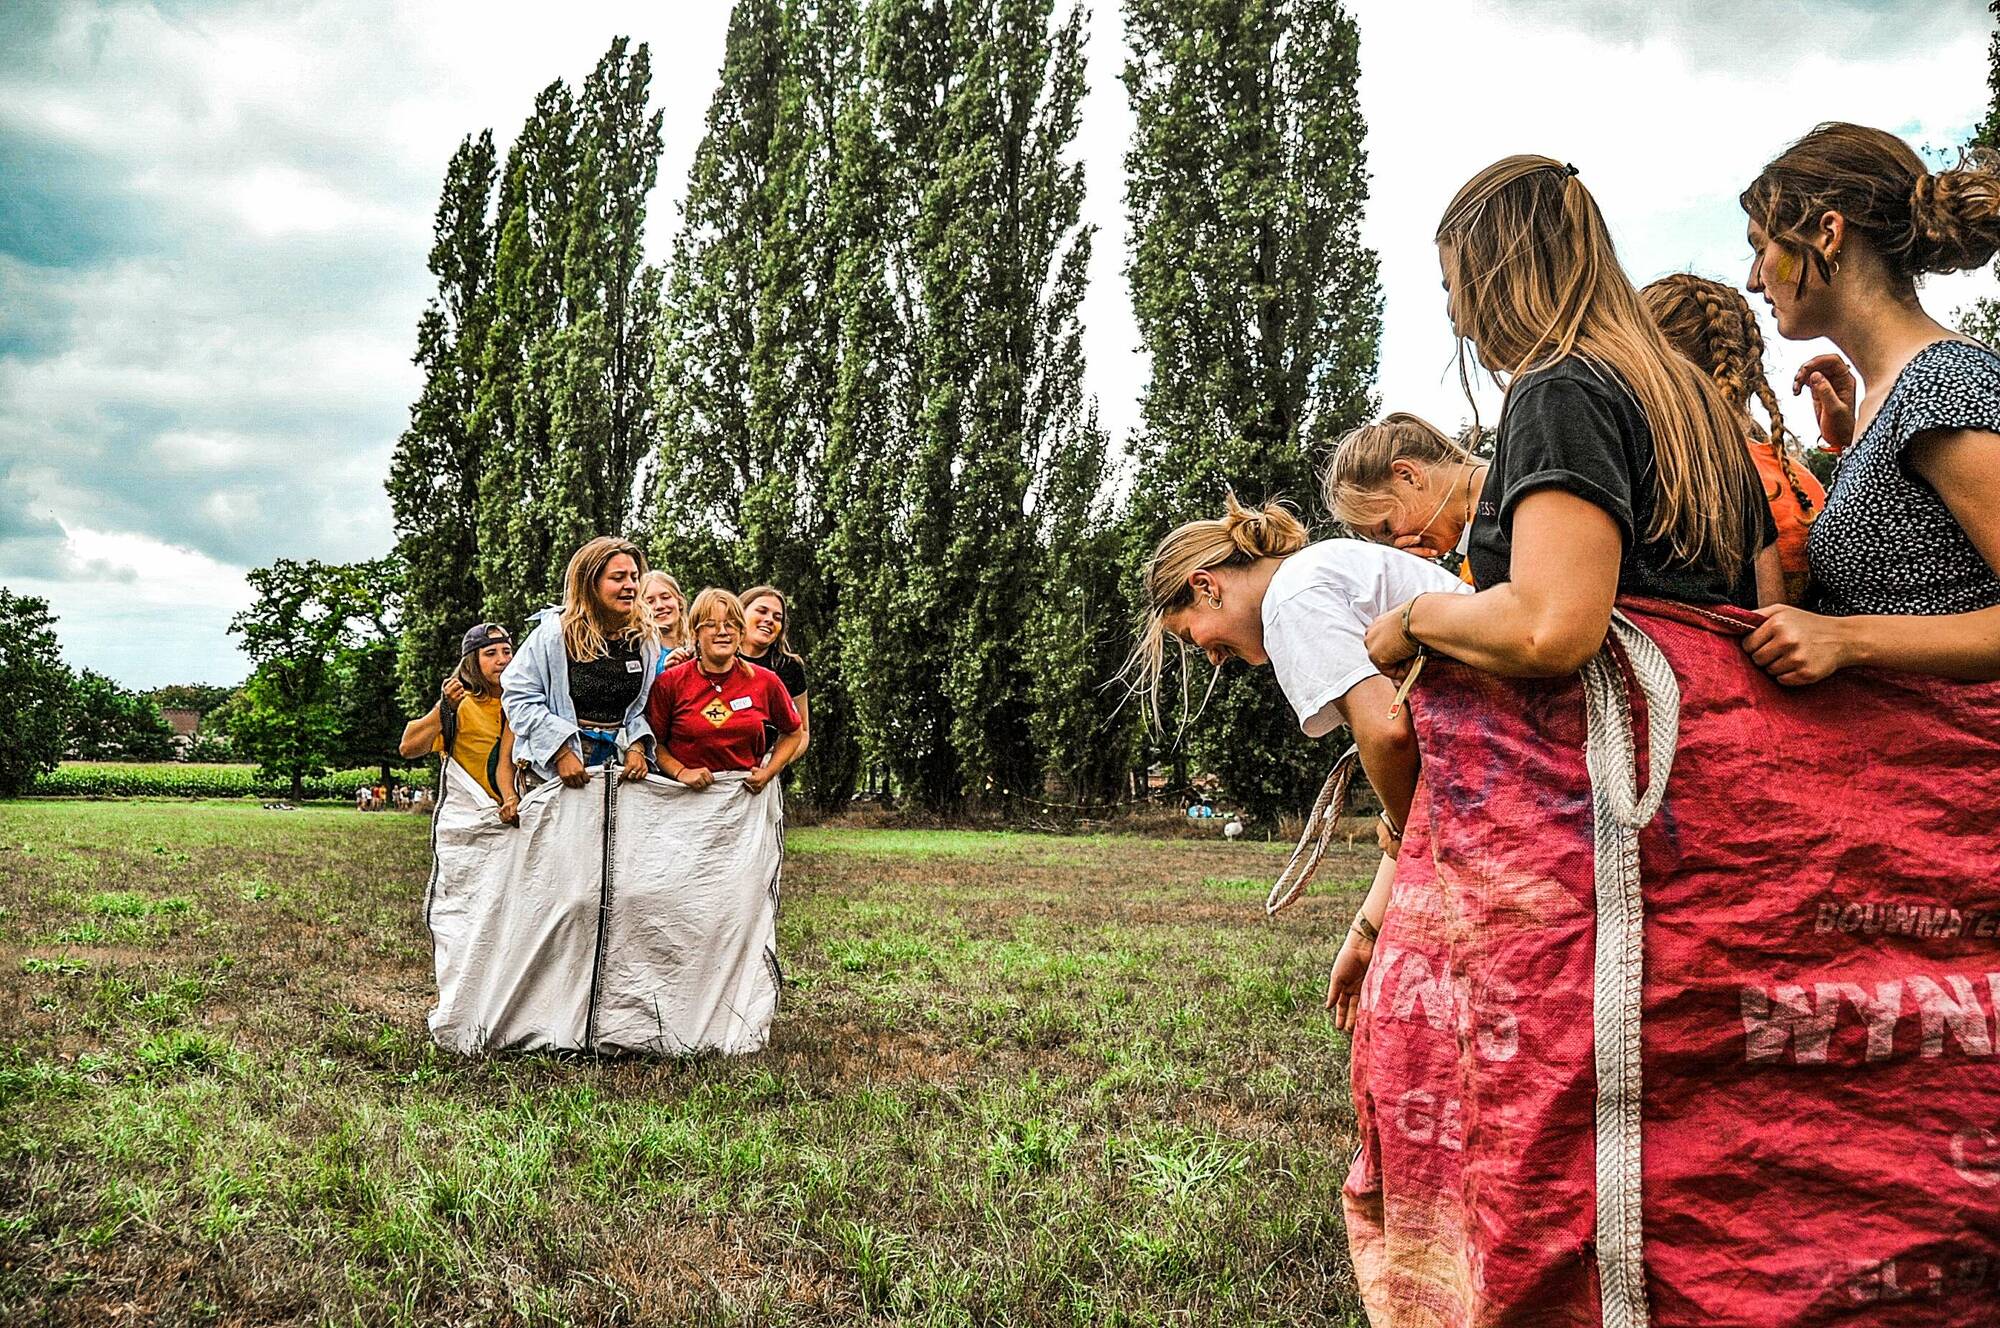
715, 712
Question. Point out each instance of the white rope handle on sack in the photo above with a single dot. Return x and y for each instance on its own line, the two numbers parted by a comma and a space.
1321, 822
1618, 812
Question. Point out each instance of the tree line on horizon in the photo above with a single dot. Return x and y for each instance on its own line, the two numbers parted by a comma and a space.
860, 375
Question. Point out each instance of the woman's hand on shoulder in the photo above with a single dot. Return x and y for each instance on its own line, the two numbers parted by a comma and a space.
678, 655
1832, 385
1796, 647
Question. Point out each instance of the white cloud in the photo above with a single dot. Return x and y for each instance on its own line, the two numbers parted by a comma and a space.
1664, 140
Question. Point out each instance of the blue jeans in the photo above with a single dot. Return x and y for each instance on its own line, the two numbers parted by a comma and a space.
600, 747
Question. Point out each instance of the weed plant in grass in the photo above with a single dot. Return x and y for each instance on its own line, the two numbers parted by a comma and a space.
1014, 1079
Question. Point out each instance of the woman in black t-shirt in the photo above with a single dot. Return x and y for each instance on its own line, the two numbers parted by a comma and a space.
765, 643
1618, 467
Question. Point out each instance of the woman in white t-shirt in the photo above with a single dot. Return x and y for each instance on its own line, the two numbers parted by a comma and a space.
1248, 586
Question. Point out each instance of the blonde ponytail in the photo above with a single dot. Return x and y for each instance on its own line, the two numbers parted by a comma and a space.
1241, 536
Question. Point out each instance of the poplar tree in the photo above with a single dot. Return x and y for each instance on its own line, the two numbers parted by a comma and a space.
1981, 319
1246, 182
981, 254
564, 412
751, 328
511, 418
434, 474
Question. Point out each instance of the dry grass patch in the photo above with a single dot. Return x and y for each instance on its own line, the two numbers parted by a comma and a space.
1015, 1079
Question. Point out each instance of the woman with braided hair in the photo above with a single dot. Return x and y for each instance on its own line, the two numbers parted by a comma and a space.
1905, 558
1711, 324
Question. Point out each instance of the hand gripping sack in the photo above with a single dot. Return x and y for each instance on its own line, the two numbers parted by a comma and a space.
1712, 1041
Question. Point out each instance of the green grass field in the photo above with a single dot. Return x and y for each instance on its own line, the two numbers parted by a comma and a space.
1014, 1079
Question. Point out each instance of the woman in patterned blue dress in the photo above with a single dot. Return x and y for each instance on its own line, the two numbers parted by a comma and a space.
1905, 558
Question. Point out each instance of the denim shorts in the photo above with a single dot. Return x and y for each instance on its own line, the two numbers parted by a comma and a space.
599, 747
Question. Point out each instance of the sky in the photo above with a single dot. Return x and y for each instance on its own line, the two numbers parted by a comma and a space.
214, 220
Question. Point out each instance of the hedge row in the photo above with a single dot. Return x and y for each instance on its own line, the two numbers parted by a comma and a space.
116, 779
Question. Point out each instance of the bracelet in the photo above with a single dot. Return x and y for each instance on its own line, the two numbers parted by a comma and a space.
1389, 822
1367, 930
1408, 607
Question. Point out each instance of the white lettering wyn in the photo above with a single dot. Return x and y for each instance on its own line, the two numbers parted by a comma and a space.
1881, 1011
1774, 1019
1960, 1012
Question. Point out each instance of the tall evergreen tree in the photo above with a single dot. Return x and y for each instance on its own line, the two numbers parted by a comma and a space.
1981, 319
1988, 133
601, 415
974, 111
1079, 630
1246, 183
510, 422
434, 475
750, 335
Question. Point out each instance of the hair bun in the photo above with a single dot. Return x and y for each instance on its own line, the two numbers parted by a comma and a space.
1955, 214
1270, 531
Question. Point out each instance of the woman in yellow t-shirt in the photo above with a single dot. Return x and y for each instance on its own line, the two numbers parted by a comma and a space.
483, 745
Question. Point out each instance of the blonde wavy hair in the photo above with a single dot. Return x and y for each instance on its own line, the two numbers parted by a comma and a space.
1355, 483
673, 588
1239, 537
586, 627
1535, 279
1712, 325
717, 601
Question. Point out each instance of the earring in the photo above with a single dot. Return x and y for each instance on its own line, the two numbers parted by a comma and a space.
1214, 601
1835, 259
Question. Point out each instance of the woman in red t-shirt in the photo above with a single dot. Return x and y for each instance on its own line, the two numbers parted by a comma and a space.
708, 713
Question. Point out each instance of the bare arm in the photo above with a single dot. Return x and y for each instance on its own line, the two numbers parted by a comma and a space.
1796, 647
787, 751
506, 780
803, 702
1388, 746
1547, 620
420, 733
1770, 577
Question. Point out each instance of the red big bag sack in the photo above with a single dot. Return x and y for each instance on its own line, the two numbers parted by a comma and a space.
1684, 1012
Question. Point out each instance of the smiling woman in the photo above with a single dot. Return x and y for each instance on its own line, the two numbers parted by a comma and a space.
575, 695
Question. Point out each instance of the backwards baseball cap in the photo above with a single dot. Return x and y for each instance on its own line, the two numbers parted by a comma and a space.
482, 636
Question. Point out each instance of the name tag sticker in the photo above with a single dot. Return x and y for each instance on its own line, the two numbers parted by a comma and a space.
740, 703
633, 666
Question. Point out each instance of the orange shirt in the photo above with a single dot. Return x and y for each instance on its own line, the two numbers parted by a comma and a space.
1786, 512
